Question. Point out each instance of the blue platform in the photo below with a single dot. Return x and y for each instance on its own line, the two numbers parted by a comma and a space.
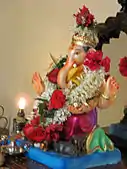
57, 161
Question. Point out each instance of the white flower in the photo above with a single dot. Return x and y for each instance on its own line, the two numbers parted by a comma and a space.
75, 104
90, 83
61, 115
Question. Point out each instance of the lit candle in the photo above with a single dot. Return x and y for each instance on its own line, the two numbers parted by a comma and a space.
21, 106
20, 120
22, 103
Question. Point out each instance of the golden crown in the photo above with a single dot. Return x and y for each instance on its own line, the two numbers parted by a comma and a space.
85, 40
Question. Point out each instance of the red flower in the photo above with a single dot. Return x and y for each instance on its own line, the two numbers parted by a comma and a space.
35, 121
84, 17
57, 100
123, 66
106, 64
38, 134
52, 76
34, 133
94, 60
52, 132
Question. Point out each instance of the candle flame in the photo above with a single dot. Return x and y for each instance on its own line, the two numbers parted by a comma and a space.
22, 103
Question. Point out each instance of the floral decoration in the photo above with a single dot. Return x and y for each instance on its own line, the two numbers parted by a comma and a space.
84, 18
80, 94
52, 76
57, 100
94, 60
52, 105
123, 66
106, 64
40, 133
35, 121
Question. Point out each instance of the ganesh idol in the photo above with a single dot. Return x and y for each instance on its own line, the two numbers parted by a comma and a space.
76, 86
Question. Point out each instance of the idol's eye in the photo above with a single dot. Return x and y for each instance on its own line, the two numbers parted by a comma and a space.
77, 52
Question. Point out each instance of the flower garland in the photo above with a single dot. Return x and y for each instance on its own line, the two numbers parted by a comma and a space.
90, 83
76, 96
60, 116
57, 100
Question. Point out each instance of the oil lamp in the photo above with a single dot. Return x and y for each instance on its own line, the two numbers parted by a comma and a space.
20, 121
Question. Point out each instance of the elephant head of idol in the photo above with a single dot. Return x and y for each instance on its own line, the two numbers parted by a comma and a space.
80, 45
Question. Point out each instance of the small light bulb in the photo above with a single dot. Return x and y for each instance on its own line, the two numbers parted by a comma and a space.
22, 103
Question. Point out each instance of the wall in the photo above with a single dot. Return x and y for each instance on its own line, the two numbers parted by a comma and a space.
30, 29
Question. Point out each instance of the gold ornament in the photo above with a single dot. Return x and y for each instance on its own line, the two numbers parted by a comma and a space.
84, 40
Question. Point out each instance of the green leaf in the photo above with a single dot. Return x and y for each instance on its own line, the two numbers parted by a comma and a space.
41, 99
60, 64
41, 108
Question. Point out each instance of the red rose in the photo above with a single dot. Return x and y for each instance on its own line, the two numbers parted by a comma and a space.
106, 64
53, 132
34, 133
52, 76
84, 17
36, 121
38, 134
92, 65
57, 100
95, 55
78, 19
93, 60
123, 66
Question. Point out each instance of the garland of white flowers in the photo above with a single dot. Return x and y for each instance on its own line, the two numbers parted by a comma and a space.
90, 82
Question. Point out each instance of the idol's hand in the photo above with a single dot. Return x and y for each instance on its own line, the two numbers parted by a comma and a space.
38, 83
111, 87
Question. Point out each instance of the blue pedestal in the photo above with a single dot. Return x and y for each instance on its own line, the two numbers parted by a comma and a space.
57, 161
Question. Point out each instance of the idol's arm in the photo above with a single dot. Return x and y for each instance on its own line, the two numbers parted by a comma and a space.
109, 94
105, 101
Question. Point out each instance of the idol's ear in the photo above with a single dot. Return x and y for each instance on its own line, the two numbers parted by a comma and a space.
91, 49
88, 49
